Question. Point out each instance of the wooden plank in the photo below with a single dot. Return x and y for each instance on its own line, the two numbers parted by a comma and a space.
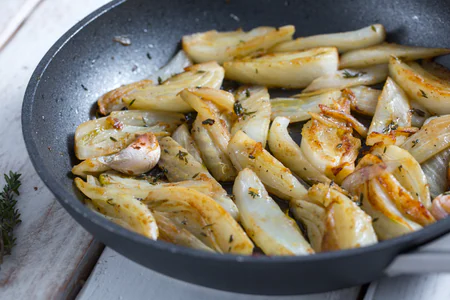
52, 249
9, 9
15, 14
430, 287
108, 281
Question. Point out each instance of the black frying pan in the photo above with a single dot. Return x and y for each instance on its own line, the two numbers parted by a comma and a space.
85, 63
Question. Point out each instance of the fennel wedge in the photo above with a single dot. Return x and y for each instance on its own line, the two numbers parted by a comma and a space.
206, 219
344, 41
143, 95
328, 142
391, 123
349, 78
225, 46
178, 166
245, 152
289, 153
333, 221
284, 70
380, 54
428, 90
122, 206
266, 224
252, 109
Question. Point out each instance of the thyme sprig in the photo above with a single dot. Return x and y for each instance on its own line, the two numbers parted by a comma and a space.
9, 214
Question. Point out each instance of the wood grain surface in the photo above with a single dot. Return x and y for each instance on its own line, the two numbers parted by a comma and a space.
51, 246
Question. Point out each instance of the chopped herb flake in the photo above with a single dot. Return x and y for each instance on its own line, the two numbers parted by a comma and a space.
253, 192
149, 56
159, 80
423, 94
373, 28
230, 240
238, 109
84, 88
113, 139
208, 225
339, 146
418, 112
131, 103
251, 156
247, 93
208, 122
392, 126
414, 143
182, 156
360, 199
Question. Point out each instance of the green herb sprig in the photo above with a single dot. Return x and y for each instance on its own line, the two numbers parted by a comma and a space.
9, 214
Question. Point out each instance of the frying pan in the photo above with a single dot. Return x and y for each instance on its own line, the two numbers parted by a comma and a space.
85, 63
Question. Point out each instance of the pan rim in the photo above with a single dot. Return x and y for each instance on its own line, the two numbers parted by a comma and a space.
422, 236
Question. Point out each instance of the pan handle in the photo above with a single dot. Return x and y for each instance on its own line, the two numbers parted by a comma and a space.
431, 258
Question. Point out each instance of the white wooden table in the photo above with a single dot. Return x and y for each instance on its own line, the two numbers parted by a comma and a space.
54, 256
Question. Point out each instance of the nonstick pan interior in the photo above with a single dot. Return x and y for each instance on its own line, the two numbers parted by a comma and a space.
86, 63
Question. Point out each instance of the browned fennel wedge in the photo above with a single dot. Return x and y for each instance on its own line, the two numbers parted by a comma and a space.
365, 100
380, 54
388, 220
333, 221
252, 109
216, 160
263, 220
244, 152
284, 70
90, 166
174, 233
344, 41
122, 206
432, 138
144, 95
224, 46
111, 134
297, 108
180, 167
209, 113
327, 140
435, 69
428, 90
139, 186
205, 218
409, 173
349, 78
289, 153
391, 123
